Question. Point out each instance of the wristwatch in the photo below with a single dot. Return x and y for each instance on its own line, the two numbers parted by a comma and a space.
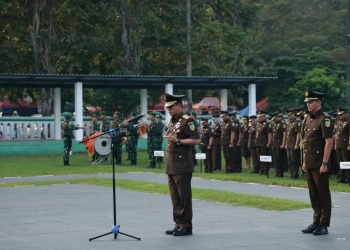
178, 142
325, 163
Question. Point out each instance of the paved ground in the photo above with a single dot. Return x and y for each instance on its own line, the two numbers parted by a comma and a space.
64, 217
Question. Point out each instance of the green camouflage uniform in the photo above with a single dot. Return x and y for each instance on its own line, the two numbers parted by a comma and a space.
152, 141
117, 142
105, 125
133, 137
67, 130
94, 128
159, 138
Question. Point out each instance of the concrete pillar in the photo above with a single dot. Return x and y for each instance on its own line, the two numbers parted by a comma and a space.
252, 98
168, 89
57, 114
143, 102
223, 94
78, 108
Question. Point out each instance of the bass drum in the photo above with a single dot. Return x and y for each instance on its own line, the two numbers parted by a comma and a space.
102, 145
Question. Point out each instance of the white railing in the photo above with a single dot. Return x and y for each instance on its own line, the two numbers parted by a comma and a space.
31, 128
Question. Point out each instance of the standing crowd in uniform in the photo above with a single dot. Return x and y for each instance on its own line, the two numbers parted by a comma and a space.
226, 138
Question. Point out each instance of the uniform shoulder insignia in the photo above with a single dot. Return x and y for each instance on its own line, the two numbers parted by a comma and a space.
327, 122
185, 117
192, 126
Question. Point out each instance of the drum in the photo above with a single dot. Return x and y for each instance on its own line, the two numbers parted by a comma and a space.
102, 145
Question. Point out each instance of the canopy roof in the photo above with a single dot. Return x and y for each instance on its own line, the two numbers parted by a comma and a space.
207, 102
127, 81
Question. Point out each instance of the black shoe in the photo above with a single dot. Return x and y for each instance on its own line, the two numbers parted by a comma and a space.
182, 232
171, 231
321, 230
310, 229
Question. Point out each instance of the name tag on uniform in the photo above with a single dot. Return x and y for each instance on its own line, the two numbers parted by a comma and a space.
345, 165
200, 156
158, 153
265, 158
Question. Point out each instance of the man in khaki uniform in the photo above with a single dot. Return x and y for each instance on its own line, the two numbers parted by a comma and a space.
206, 145
342, 142
252, 144
243, 140
236, 149
226, 141
181, 135
263, 139
278, 132
290, 143
216, 146
317, 132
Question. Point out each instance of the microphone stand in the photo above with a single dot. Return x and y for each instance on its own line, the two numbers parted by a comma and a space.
115, 229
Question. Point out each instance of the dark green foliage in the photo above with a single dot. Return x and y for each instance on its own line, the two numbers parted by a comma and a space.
291, 39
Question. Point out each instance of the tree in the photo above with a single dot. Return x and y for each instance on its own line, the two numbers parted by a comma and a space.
318, 79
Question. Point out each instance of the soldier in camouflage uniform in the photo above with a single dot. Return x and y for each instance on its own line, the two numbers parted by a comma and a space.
67, 133
94, 126
104, 123
118, 139
133, 136
160, 130
152, 140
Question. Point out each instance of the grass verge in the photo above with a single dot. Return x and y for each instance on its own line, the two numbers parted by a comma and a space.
11, 166
259, 202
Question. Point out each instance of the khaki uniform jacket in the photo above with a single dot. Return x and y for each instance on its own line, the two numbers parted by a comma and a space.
226, 129
236, 130
316, 128
341, 134
252, 137
291, 133
277, 134
205, 135
262, 133
179, 159
244, 133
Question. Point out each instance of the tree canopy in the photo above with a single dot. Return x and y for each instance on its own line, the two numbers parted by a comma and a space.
301, 42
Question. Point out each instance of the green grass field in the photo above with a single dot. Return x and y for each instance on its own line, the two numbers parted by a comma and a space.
231, 198
11, 166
